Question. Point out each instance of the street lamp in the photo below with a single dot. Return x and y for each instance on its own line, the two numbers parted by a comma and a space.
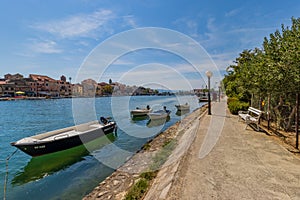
209, 75
219, 93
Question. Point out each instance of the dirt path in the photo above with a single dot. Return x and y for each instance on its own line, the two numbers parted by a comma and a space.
244, 164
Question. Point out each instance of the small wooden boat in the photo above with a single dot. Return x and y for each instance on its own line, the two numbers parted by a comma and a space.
140, 111
65, 138
185, 106
159, 114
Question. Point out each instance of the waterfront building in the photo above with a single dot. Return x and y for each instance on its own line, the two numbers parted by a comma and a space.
13, 77
44, 85
6, 88
77, 90
89, 87
65, 88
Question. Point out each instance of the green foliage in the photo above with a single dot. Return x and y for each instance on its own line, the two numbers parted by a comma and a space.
161, 156
138, 190
146, 146
274, 69
149, 175
234, 105
108, 89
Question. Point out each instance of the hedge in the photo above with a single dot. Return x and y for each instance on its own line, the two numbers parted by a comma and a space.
234, 105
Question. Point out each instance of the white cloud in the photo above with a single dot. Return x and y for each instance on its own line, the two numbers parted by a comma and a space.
46, 46
190, 26
130, 21
233, 12
81, 25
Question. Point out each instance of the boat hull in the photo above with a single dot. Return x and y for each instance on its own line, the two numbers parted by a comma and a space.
203, 99
45, 147
159, 115
137, 113
182, 107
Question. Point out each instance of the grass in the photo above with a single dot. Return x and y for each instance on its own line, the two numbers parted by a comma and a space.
146, 146
161, 157
139, 189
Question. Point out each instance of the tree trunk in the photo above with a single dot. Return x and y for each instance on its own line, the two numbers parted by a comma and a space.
291, 117
277, 112
297, 120
269, 108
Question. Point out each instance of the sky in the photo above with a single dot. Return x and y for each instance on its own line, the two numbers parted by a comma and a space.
167, 43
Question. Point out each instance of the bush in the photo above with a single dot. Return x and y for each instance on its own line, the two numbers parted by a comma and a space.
138, 190
234, 105
231, 99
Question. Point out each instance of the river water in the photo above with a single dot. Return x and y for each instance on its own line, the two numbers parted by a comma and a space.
74, 173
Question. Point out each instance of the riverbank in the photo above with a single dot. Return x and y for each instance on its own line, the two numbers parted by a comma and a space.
240, 164
150, 158
243, 164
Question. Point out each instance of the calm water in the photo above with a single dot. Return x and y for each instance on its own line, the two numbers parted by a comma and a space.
74, 173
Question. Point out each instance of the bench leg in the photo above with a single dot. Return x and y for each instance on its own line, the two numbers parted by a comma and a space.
257, 127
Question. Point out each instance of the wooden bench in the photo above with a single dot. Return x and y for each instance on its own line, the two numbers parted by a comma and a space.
251, 116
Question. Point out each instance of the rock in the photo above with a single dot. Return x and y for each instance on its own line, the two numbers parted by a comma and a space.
101, 194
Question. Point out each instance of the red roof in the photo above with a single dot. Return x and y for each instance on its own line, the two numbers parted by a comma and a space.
37, 77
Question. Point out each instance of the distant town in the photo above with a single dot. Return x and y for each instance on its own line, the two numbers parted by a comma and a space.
42, 86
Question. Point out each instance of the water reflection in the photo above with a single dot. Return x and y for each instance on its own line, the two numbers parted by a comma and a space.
157, 122
139, 118
42, 166
182, 112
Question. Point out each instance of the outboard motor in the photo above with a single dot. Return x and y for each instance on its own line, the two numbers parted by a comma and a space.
148, 107
103, 120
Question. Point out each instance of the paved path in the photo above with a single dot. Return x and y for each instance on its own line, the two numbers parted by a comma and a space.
234, 163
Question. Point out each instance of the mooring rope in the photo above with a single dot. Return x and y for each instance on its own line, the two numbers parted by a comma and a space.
6, 173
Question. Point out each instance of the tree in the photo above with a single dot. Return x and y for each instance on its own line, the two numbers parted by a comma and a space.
274, 69
108, 89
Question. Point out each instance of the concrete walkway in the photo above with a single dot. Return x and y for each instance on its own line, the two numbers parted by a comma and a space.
225, 161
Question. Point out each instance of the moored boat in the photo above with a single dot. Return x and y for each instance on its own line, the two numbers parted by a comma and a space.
65, 138
185, 106
140, 111
203, 99
5, 99
159, 114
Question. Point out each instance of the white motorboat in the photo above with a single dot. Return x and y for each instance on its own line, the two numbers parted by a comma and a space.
140, 111
185, 106
65, 138
159, 114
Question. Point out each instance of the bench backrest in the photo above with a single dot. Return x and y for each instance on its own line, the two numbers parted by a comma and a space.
255, 111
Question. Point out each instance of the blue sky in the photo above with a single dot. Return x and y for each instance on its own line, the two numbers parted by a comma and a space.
56, 37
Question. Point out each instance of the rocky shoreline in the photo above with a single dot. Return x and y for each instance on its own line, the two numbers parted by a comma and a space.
118, 183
